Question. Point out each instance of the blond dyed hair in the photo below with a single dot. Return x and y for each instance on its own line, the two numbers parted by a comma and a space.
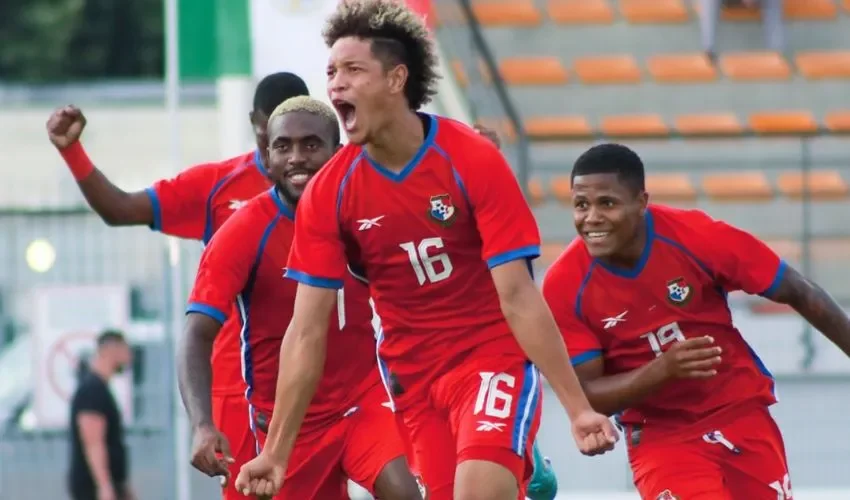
398, 35
307, 104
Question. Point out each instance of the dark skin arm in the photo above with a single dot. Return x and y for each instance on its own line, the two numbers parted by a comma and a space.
194, 370
115, 206
815, 305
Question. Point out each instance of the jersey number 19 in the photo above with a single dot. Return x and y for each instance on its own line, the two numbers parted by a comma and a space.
430, 268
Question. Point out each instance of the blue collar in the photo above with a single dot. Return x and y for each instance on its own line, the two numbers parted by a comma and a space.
282, 207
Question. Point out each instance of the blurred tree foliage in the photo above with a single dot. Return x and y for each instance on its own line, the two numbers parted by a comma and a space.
48, 41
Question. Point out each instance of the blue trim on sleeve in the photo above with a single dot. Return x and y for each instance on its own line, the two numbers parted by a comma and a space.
585, 357
777, 280
206, 310
529, 252
305, 278
156, 224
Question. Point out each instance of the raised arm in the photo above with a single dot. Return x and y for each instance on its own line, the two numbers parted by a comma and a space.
115, 206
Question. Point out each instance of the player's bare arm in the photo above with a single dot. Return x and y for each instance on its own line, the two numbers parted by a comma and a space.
194, 378
609, 394
115, 206
816, 305
538, 335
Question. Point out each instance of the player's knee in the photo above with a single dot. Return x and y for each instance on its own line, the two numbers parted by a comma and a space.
396, 482
484, 480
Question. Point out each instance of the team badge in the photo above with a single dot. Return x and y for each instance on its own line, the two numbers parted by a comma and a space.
442, 209
678, 291
667, 495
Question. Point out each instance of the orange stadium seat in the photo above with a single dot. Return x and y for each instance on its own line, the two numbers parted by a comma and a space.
810, 10
607, 69
846, 4
755, 66
541, 70
506, 13
557, 127
821, 249
670, 187
681, 68
708, 124
838, 121
783, 122
647, 125
736, 186
535, 191
820, 184
654, 11
580, 11
561, 188
460, 73
822, 65
551, 250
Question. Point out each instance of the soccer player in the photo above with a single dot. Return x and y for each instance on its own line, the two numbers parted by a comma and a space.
640, 297
431, 214
349, 431
192, 205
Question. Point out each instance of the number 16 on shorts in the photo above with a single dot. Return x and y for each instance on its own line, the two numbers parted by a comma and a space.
506, 409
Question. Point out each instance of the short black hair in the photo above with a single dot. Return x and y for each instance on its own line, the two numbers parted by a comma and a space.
110, 336
276, 88
611, 158
398, 36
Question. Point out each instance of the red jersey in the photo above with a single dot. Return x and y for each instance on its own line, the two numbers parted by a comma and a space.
193, 205
676, 291
425, 238
245, 260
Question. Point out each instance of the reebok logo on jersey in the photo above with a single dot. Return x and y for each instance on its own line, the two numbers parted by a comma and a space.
485, 426
614, 320
369, 223
237, 204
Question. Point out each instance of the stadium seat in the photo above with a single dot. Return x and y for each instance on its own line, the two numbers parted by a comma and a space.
561, 188
838, 121
506, 13
708, 124
820, 184
810, 10
822, 65
783, 122
750, 66
821, 249
648, 125
846, 4
681, 68
580, 11
607, 70
670, 187
654, 11
557, 127
541, 70
737, 186
460, 73
551, 250
536, 193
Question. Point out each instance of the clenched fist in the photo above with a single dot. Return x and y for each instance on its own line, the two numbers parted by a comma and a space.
65, 126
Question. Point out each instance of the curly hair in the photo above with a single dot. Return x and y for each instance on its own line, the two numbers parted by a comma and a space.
312, 106
398, 36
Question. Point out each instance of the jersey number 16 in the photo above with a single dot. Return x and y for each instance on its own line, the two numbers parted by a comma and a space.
430, 268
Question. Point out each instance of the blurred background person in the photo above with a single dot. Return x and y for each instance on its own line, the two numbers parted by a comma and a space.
99, 458
771, 15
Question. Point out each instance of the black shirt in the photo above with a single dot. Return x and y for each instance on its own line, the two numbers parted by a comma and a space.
93, 395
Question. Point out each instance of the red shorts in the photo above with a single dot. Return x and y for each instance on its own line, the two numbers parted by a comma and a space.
231, 415
356, 447
743, 459
486, 409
